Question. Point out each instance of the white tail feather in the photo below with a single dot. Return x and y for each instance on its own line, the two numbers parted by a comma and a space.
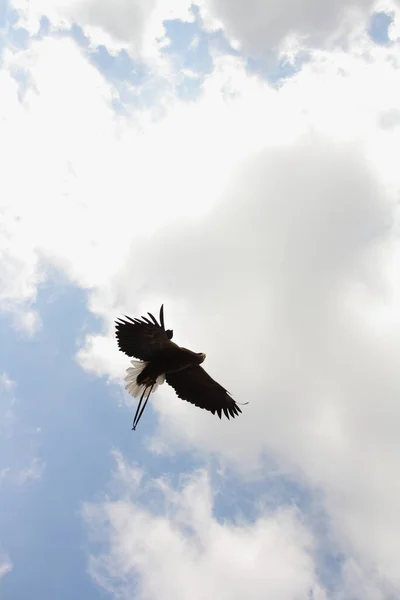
131, 378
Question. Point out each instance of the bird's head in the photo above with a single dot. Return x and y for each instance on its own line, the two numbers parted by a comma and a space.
202, 356
196, 358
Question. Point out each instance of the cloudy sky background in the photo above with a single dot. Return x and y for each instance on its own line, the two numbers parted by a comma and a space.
238, 162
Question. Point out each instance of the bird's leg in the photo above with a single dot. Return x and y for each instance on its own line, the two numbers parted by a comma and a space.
138, 415
138, 408
145, 382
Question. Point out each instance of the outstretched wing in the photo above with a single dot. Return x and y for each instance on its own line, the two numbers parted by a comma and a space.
143, 338
196, 386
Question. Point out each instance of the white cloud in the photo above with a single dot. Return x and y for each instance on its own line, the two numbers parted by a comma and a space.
134, 25
7, 401
93, 174
291, 286
257, 27
34, 470
28, 321
183, 551
266, 220
6, 383
6, 566
394, 27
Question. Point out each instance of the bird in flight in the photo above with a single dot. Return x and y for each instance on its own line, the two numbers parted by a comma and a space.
161, 360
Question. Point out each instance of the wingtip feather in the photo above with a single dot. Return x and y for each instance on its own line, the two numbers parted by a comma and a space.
162, 316
153, 319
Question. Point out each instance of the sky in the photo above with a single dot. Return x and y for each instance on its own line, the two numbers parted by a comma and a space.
236, 162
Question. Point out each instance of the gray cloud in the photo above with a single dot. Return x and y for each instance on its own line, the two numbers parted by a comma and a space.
262, 25
280, 286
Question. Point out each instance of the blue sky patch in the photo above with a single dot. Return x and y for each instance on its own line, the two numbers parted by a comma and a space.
379, 26
40, 524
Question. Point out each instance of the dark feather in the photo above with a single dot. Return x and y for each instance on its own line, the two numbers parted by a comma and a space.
153, 319
147, 320
142, 338
162, 316
196, 386
129, 318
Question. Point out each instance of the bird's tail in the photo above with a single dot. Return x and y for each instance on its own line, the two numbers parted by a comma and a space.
132, 373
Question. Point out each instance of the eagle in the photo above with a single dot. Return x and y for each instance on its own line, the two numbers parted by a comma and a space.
161, 360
